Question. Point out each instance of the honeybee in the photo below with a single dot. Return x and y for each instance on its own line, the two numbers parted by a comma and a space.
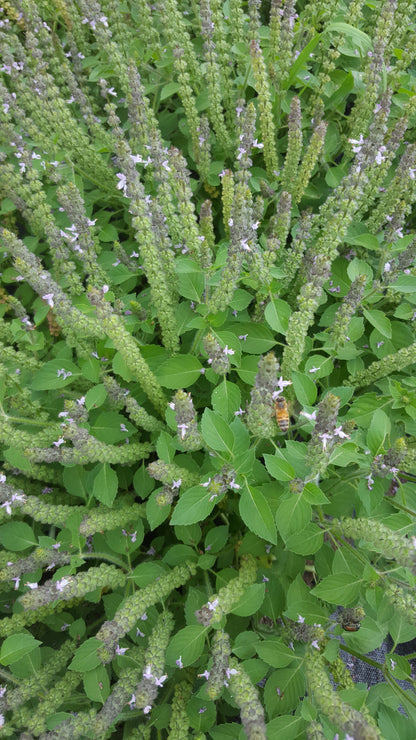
282, 414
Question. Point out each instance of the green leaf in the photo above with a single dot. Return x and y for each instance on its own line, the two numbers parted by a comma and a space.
146, 573
97, 684
355, 35
307, 541
192, 285
55, 374
179, 372
15, 647
16, 536
156, 514
108, 233
379, 320
293, 514
405, 284
284, 689
279, 468
277, 315
169, 90
201, 715
216, 538
342, 589
313, 494
187, 644
194, 506
216, 432
251, 600
86, 656
259, 338
287, 726
111, 427
256, 514
105, 485
378, 430
75, 481
275, 653
95, 397
304, 387
302, 59
226, 399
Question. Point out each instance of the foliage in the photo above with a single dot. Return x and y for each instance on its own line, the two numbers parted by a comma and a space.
207, 208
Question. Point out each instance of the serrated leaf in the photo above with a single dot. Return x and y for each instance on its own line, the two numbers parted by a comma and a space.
55, 374
342, 589
279, 468
15, 647
226, 399
179, 372
97, 684
256, 514
379, 320
216, 432
275, 653
86, 656
169, 90
187, 644
105, 484
378, 430
194, 506
251, 600
277, 315
293, 514
304, 387
307, 541
357, 37
16, 536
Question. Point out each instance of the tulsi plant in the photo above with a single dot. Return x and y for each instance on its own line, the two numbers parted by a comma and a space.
206, 207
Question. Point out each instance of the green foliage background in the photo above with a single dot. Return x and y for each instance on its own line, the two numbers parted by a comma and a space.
207, 206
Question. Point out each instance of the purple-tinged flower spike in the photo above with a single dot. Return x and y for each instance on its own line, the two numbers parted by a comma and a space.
362, 112
154, 662
294, 146
179, 720
309, 161
137, 414
279, 229
76, 586
341, 714
128, 348
276, 13
259, 417
221, 651
80, 238
267, 126
402, 600
136, 605
74, 323
206, 227
393, 363
169, 474
347, 309
218, 357
223, 602
102, 519
301, 320
246, 696
188, 97
227, 182
186, 421
46, 675
379, 538
214, 78
34, 720
323, 437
